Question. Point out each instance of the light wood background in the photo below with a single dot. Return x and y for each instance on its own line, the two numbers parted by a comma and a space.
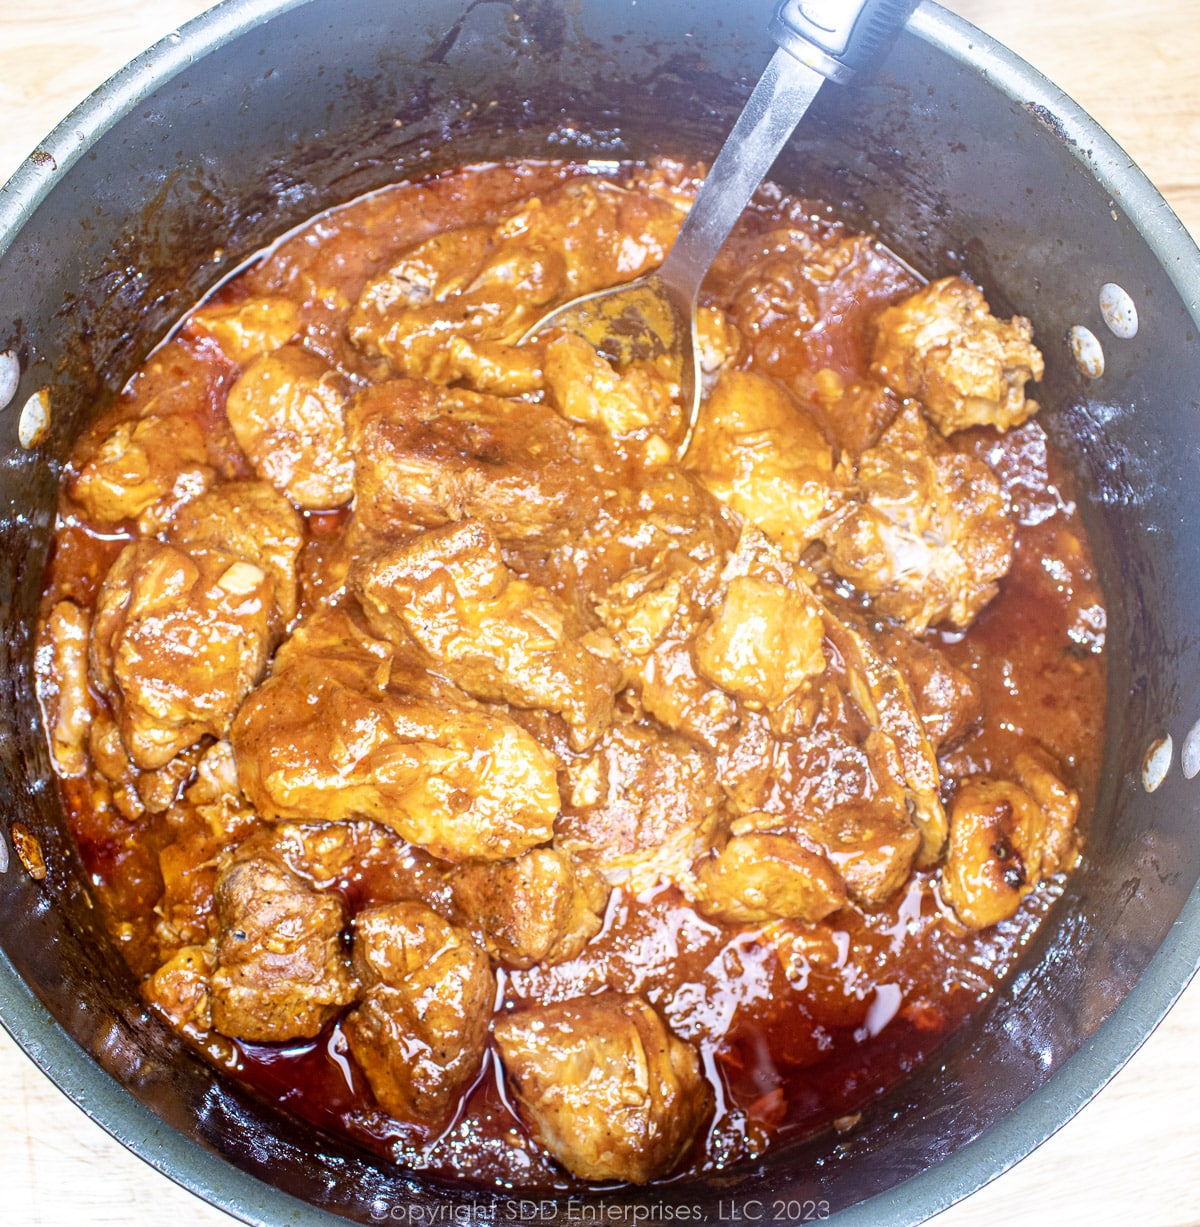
1132, 1156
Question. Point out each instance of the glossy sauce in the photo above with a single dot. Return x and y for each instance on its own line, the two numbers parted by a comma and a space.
798, 1025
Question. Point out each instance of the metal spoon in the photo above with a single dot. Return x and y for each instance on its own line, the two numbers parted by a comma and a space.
655, 315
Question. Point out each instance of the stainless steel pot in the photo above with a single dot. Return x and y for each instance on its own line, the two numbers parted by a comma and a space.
962, 158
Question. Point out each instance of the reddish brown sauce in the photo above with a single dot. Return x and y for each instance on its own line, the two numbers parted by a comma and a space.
796, 1024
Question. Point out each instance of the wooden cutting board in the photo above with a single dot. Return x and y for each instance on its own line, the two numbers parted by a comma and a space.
1132, 1156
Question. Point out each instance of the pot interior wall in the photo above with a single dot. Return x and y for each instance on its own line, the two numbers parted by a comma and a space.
333, 98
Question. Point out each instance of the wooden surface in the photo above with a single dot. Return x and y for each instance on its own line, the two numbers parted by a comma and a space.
1132, 1156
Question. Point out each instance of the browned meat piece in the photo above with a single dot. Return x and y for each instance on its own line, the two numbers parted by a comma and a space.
281, 970
1005, 837
427, 456
288, 413
997, 844
139, 462
763, 642
899, 750
943, 346
180, 988
66, 701
778, 278
247, 329
178, 640
649, 565
325, 738
947, 699
213, 819
853, 414
491, 282
542, 907
421, 1030
350, 856
1038, 774
494, 634
657, 544
252, 520
760, 877
585, 387
760, 452
604, 1086
871, 844
857, 778
641, 806
927, 537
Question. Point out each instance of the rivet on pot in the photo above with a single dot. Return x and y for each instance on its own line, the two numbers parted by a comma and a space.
1086, 350
10, 376
1118, 311
1189, 759
1157, 762
35, 419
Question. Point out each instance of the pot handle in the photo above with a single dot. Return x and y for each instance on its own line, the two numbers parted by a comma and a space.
837, 37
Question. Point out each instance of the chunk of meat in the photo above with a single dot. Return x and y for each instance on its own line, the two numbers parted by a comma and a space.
353, 857
641, 806
899, 748
421, 1029
67, 706
178, 641
586, 388
854, 414
926, 536
247, 329
763, 641
288, 413
649, 565
657, 542
758, 450
871, 843
139, 462
542, 907
1038, 774
943, 346
281, 969
490, 282
994, 858
761, 877
948, 700
180, 988
494, 634
604, 1086
213, 818
136, 792
428, 456
252, 520
326, 737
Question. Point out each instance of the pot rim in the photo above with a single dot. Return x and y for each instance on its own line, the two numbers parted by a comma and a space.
1070, 1088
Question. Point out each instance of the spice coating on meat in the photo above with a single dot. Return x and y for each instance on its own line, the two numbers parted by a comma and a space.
943, 346
604, 1085
326, 736
281, 972
492, 633
420, 1031
178, 641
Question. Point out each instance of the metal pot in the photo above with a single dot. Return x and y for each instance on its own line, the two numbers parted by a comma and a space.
262, 113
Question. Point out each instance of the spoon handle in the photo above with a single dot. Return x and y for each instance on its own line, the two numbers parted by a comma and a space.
818, 39
782, 95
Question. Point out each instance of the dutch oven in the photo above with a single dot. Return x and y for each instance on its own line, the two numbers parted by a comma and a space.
263, 112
